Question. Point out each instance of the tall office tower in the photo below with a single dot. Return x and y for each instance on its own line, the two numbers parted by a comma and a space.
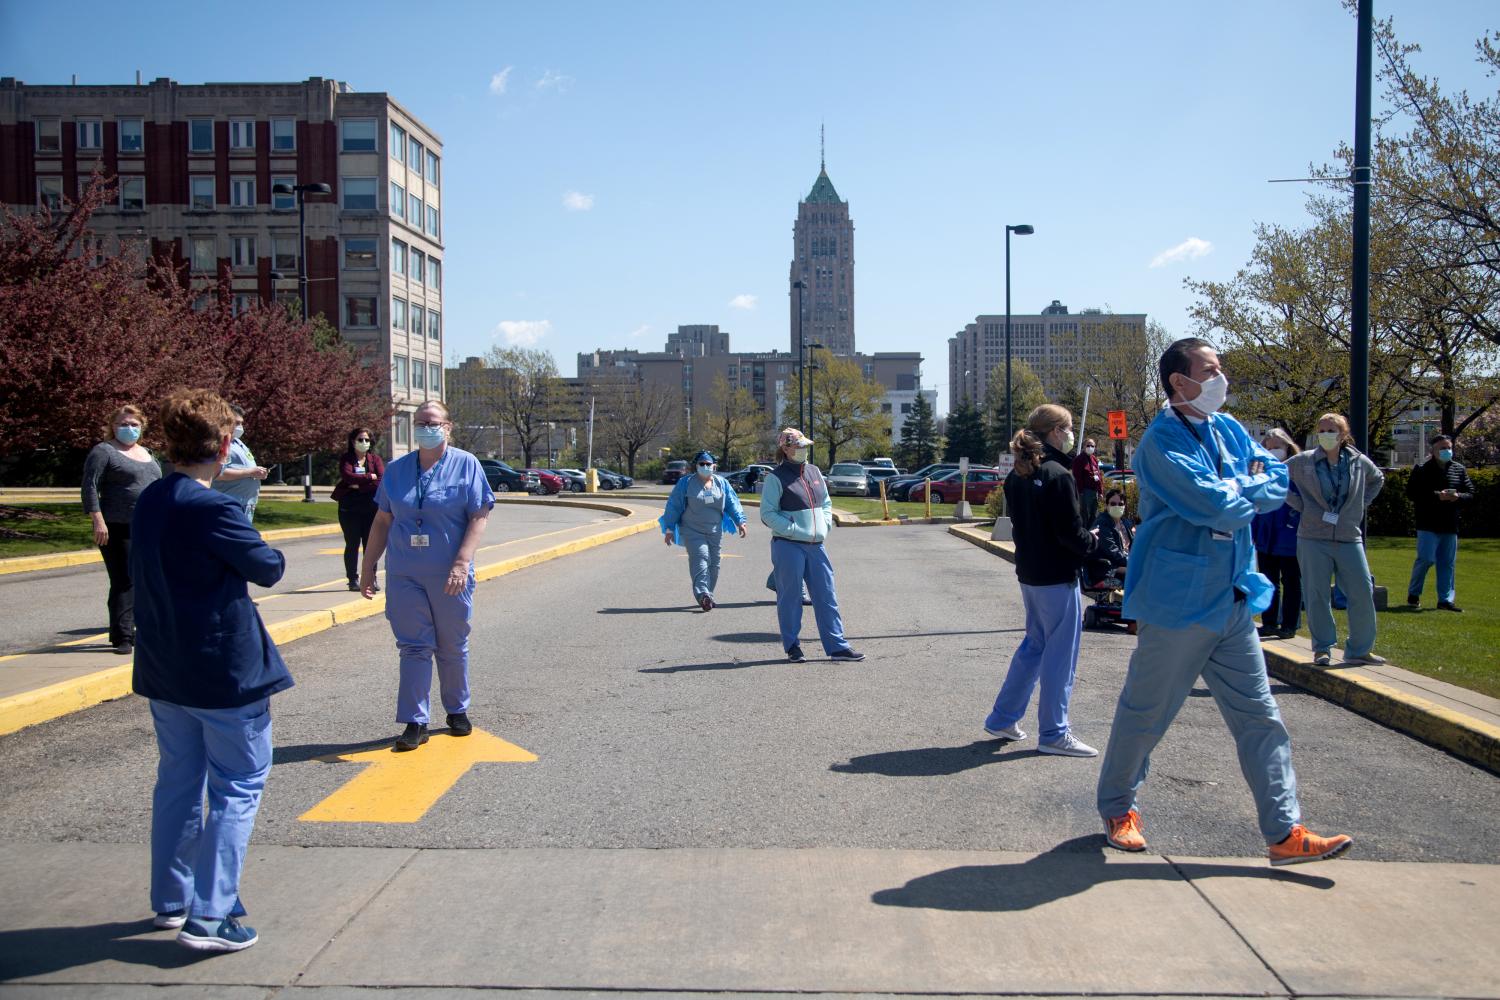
823, 261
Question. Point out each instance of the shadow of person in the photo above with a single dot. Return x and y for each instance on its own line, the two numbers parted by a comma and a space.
723, 665
324, 751
1072, 867
750, 638
683, 608
930, 762
37, 951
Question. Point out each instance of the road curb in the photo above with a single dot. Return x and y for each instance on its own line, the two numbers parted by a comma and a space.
65, 697
1468, 739
981, 538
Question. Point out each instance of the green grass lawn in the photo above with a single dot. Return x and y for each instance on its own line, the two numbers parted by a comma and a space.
1462, 649
64, 527
869, 508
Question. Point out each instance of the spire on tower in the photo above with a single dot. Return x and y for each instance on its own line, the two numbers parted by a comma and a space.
822, 149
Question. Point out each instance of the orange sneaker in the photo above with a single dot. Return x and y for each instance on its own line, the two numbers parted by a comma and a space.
1302, 846
1125, 833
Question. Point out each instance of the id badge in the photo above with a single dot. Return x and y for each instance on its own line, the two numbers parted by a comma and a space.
708, 500
1330, 517
1222, 536
419, 541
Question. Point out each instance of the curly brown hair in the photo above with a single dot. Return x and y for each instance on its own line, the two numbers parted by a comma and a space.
194, 423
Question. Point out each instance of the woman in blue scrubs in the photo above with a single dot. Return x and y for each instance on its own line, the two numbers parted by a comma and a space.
434, 505
699, 511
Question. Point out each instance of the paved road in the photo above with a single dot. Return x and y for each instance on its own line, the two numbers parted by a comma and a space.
657, 726
40, 609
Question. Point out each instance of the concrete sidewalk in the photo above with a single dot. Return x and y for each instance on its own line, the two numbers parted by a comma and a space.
1080, 919
1465, 723
48, 683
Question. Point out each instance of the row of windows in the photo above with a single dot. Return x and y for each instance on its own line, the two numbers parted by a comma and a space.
408, 207
412, 319
413, 154
408, 261
359, 194
363, 312
359, 255
429, 376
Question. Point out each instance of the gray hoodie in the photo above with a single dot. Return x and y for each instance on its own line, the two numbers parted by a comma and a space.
1365, 481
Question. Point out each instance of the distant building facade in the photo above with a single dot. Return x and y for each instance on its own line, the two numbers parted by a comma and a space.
196, 166
823, 261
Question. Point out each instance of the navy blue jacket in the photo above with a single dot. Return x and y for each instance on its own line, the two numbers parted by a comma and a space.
199, 638
1275, 532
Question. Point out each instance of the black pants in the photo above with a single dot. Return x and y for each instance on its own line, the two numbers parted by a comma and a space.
356, 515
116, 553
1285, 612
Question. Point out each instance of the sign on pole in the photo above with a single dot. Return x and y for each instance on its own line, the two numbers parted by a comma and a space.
1117, 427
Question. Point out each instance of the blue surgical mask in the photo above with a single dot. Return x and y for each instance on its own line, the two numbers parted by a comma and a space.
430, 437
127, 434
705, 471
1445, 455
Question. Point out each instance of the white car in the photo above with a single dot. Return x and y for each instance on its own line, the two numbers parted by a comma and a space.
848, 478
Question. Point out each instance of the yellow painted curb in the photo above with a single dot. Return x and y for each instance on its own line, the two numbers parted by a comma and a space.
981, 538
306, 531
49, 560
27, 709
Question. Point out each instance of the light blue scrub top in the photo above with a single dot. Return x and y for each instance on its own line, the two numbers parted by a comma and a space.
437, 503
244, 490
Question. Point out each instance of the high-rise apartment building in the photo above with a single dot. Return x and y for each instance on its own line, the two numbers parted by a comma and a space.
197, 167
1050, 342
823, 261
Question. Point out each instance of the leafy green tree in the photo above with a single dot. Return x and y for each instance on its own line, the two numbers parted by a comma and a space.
966, 434
732, 425
1026, 394
919, 437
846, 408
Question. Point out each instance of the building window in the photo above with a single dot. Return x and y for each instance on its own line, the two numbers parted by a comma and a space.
418, 265
283, 202
242, 303
403, 429
289, 300
417, 317
885, 407
359, 310
132, 135
49, 193
358, 135
434, 325
205, 258
905, 408
283, 135
242, 192
397, 144
414, 158
432, 222
359, 253
435, 378
241, 133
242, 252
398, 257
432, 168
398, 200
418, 374
434, 273
201, 135
132, 194
414, 211
360, 194
398, 314
48, 135
398, 371
90, 133
201, 193
284, 254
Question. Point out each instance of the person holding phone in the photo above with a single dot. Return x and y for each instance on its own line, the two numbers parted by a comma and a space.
1439, 489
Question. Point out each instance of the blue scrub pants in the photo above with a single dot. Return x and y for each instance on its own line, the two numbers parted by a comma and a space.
196, 859
1054, 633
703, 559
1434, 549
1163, 668
794, 564
428, 623
1321, 561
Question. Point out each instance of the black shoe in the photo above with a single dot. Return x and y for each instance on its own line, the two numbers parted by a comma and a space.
807, 602
847, 654
353, 584
412, 737
1413, 601
1287, 633
1449, 606
459, 724
125, 648
1266, 632
795, 654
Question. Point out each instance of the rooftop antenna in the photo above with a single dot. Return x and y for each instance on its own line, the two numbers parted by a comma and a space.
822, 150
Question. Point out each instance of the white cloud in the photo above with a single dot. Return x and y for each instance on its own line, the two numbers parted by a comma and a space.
743, 302
577, 201
551, 80
522, 332
500, 81
639, 331
1189, 249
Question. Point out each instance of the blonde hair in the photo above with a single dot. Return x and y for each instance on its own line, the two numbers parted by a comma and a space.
195, 423
434, 404
1026, 446
1283, 438
1342, 422
128, 410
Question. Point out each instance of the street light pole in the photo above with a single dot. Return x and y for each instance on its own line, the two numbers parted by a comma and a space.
812, 366
301, 191
1021, 230
1359, 348
801, 413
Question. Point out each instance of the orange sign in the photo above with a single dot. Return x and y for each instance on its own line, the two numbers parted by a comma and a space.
1117, 429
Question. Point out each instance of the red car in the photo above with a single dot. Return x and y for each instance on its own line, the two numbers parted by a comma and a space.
548, 483
950, 488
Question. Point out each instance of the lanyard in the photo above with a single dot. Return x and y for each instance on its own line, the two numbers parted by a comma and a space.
1213, 441
424, 480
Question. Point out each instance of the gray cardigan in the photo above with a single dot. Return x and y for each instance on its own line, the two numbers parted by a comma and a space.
1365, 481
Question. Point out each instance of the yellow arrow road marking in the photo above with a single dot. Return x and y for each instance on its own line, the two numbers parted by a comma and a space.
401, 787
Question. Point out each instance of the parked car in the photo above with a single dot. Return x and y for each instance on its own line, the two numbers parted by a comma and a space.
503, 479
738, 478
898, 487
574, 481
875, 475
877, 463
950, 488
1119, 477
548, 482
616, 480
848, 479
675, 470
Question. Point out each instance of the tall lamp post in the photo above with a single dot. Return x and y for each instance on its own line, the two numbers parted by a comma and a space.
801, 413
1021, 230
300, 190
812, 366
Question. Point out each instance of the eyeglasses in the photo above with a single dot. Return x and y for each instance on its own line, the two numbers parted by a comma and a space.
361, 440
426, 423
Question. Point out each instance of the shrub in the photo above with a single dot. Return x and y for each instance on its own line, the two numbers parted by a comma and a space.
1392, 514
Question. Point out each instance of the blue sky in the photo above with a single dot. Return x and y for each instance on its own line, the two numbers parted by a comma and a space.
615, 169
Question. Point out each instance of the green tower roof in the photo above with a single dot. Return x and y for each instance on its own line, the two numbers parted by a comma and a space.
823, 192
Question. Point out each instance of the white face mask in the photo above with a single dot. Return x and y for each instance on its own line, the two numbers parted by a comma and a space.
239, 431
799, 455
1068, 440
1328, 440
1278, 453
1116, 511
1215, 391
1089, 449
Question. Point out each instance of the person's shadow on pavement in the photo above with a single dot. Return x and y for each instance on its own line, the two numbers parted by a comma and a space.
1072, 867
930, 762
36, 951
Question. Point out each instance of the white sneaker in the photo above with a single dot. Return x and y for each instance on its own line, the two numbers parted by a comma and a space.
1068, 746
1013, 733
